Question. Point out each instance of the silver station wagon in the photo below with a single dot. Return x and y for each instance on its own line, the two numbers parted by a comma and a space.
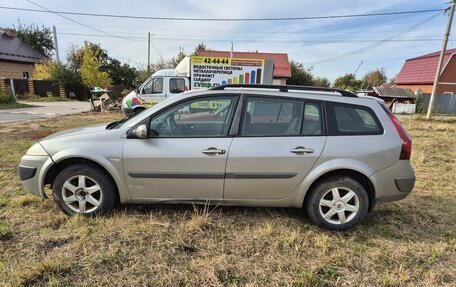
332, 153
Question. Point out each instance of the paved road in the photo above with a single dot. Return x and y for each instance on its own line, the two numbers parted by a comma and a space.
43, 110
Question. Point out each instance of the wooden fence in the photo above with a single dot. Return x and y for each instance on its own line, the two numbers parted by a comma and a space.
43, 88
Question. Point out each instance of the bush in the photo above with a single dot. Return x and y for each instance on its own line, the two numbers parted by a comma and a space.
419, 105
6, 98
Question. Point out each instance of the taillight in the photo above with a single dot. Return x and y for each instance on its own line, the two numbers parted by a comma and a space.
406, 150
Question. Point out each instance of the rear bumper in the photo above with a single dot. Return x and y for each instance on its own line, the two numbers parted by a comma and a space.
405, 184
394, 183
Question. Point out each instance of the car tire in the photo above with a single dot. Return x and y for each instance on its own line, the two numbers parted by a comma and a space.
85, 189
338, 203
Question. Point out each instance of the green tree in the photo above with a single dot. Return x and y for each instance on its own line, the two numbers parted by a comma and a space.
392, 80
174, 61
121, 74
347, 82
300, 75
90, 69
374, 78
39, 38
200, 47
321, 82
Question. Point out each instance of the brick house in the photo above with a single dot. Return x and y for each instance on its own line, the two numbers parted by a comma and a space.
419, 73
282, 70
17, 59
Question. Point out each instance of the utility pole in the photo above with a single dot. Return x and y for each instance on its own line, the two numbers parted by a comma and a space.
231, 51
148, 52
355, 73
442, 55
56, 45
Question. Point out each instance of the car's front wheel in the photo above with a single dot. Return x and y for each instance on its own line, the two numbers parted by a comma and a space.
84, 189
337, 203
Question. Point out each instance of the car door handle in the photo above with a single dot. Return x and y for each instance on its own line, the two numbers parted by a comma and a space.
213, 151
302, 150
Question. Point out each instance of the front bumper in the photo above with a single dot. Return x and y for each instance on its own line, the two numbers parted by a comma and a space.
26, 172
32, 170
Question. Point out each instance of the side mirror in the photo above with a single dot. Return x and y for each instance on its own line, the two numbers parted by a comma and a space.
140, 131
137, 90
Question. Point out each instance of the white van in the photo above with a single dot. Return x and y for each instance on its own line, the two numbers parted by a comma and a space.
156, 88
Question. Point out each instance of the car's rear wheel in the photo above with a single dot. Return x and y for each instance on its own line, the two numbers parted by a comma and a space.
84, 189
337, 203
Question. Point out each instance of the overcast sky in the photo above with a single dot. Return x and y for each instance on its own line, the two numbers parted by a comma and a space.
305, 41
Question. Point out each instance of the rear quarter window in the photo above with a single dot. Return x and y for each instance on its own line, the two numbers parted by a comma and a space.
347, 119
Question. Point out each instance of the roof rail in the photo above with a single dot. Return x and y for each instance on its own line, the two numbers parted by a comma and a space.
285, 88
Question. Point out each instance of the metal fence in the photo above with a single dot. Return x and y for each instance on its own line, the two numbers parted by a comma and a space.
42, 88
443, 104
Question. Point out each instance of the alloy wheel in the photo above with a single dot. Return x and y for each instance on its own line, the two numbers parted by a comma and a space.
339, 205
81, 194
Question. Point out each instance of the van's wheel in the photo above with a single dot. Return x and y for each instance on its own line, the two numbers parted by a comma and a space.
85, 189
337, 203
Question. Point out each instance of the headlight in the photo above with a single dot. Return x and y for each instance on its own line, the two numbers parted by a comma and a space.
36, 149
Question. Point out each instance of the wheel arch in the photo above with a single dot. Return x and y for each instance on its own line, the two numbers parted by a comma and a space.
351, 168
66, 160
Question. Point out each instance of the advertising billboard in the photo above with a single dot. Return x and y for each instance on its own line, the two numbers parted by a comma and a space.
208, 72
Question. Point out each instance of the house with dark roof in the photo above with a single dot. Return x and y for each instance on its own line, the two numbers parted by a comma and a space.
419, 73
17, 59
281, 72
390, 94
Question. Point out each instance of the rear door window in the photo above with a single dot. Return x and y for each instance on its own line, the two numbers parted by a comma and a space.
312, 122
265, 116
346, 119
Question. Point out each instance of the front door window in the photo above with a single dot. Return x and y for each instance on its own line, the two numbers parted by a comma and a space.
154, 86
202, 117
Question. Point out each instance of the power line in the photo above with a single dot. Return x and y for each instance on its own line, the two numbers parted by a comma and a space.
95, 29
299, 41
388, 39
61, 13
79, 23
256, 31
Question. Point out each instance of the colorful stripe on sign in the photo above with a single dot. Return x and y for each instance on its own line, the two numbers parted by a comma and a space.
223, 82
247, 78
253, 77
258, 76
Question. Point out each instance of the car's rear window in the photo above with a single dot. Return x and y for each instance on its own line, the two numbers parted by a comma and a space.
347, 119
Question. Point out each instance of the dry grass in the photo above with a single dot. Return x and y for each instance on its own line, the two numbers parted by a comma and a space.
408, 243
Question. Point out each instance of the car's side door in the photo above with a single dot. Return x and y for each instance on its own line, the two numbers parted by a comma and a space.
185, 155
279, 141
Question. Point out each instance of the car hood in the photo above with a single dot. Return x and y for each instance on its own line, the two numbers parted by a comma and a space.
76, 131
